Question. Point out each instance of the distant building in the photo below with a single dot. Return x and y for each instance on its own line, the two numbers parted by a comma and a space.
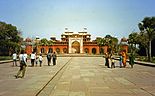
70, 43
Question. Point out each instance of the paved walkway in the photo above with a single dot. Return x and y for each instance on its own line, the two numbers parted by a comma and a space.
35, 78
87, 76
84, 76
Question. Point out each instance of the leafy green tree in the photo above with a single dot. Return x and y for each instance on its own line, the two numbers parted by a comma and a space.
100, 42
9, 38
50, 42
133, 40
144, 41
109, 41
148, 26
112, 43
43, 42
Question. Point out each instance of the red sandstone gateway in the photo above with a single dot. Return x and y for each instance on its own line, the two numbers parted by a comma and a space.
75, 43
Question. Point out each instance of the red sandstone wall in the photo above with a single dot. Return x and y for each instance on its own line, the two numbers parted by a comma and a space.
90, 47
46, 48
28, 49
61, 47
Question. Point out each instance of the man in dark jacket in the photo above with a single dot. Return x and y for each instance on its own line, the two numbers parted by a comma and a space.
49, 58
54, 57
131, 59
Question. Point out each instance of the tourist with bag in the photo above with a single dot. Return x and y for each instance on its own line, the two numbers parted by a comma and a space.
22, 66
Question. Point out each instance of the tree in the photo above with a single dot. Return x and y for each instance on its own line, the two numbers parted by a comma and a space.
100, 42
50, 42
45, 42
144, 42
133, 40
148, 26
9, 38
112, 43
109, 41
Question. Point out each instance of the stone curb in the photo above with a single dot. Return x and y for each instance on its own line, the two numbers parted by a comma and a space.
142, 63
5, 61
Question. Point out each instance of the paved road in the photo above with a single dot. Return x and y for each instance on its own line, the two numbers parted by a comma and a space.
84, 76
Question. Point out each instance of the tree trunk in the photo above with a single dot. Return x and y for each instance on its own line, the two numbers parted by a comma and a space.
150, 51
147, 53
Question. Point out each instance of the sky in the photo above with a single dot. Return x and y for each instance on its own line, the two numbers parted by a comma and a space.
48, 18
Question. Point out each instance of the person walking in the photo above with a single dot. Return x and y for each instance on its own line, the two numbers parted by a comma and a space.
49, 58
20, 57
112, 62
124, 59
14, 56
40, 60
107, 60
54, 58
23, 65
33, 57
120, 61
37, 60
25, 55
131, 59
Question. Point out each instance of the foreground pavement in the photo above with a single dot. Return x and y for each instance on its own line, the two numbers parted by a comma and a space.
35, 78
84, 76
87, 76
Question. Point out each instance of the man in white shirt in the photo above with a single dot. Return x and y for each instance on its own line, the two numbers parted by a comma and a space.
40, 59
33, 57
25, 55
14, 56
23, 65
20, 57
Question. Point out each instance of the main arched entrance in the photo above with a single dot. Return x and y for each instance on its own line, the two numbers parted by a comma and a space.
75, 47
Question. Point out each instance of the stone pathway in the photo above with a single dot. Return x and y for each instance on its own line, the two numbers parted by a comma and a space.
87, 76
35, 78
84, 76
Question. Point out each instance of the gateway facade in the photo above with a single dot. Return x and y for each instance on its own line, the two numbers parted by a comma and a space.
70, 43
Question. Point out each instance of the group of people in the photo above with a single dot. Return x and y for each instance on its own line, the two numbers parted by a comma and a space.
122, 60
15, 57
53, 56
109, 58
34, 60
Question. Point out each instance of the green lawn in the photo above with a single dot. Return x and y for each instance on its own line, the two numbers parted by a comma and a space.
5, 58
144, 58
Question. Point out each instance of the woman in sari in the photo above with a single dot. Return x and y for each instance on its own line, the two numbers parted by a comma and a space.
124, 59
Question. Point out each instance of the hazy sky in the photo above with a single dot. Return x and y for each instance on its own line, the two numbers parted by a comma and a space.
46, 18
